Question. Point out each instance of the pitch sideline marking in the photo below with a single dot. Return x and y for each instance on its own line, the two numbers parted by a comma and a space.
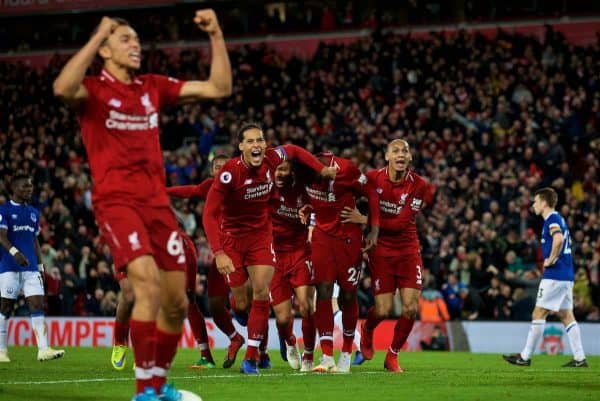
118, 379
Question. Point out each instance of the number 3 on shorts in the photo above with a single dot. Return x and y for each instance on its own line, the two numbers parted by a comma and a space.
175, 247
541, 293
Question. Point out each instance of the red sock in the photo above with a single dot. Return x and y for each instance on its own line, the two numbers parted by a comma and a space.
324, 322
309, 333
264, 343
223, 321
257, 325
121, 333
349, 319
143, 339
197, 324
372, 321
401, 331
166, 348
286, 332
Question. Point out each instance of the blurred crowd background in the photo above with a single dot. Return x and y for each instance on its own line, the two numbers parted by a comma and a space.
489, 122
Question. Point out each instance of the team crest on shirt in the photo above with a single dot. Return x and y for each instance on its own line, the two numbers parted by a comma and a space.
299, 202
403, 198
379, 191
33, 217
416, 204
268, 176
147, 103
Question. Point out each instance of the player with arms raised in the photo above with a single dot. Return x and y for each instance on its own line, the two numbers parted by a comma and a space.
21, 266
396, 261
555, 293
119, 115
237, 223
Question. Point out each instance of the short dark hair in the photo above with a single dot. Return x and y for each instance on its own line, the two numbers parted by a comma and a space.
219, 157
19, 177
245, 127
118, 20
548, 195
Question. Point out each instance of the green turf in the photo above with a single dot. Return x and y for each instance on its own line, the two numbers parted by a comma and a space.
86, 374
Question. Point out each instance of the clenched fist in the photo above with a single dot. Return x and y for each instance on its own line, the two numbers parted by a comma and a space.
207, 21
107, 26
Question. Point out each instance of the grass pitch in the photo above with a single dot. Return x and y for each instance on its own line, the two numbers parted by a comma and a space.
86, 374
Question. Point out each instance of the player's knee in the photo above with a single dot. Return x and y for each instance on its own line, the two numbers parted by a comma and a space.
261, 292
176, 308
409, 310
304, 308
284, 318
382, 311
242, 304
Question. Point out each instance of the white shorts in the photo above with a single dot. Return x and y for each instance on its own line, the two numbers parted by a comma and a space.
11, 284
555, 295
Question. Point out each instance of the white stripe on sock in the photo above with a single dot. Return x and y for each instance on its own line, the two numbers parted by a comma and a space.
143, 374
156, 371
253, 343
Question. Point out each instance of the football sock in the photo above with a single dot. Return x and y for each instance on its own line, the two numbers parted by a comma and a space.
574, 335
309, 333
372, 321
286, 333
535, 334
143, 339
38, 324
257, 325
3, 331
223, 321
402, 329
324, 323
197, 324
349, 319
166, 348
121, 333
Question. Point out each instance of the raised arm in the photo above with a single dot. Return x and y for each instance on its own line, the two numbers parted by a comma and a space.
68, 85
219, 82
293, 152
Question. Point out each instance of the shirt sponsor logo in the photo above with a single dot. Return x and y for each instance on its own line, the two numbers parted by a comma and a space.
128, 122
259, 191
23, 228
320, 195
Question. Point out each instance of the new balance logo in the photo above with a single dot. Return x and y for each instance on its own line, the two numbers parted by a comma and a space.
114, 103
134, 241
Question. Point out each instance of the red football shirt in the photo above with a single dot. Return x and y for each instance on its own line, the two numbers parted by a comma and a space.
119, 126
289, 234
329, 197
239, 196
191, 191
399, 204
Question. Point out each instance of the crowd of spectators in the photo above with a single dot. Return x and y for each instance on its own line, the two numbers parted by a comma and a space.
489, 121
172, 22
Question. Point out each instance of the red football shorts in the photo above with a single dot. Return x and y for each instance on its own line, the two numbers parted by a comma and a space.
132, 231
336, 259
248, 250
191, 260
391, 272
217, 286
293, 270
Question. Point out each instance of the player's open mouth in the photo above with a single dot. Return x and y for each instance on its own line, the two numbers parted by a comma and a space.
400, 163
256, 155
135, 56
